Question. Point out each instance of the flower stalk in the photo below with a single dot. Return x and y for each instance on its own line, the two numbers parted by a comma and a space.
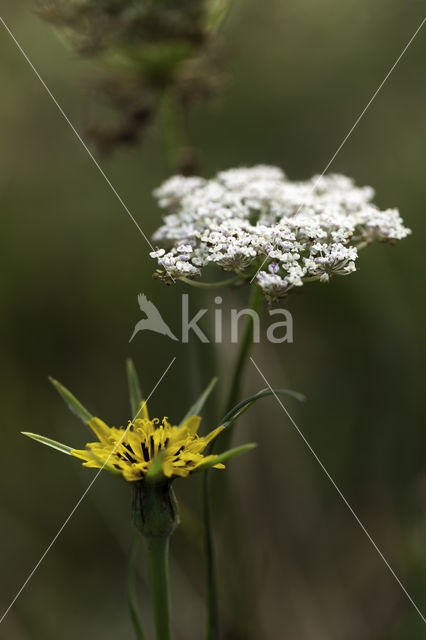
212, 285
255, 302
131, 594
155, 515
157, 552
212, 607
150, 455
172, 130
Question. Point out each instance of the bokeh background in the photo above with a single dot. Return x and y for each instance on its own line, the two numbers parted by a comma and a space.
298, 75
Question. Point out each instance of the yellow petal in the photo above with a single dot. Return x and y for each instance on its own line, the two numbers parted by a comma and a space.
101, 430
81, 453
143, 428
89, 459
142, 413
192, 424
213, 434
131, 474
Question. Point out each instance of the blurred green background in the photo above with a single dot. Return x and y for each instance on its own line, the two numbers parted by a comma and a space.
299, 74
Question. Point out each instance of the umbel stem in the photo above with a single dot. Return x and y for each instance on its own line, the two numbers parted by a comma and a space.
156, 516
212, 618
243, 354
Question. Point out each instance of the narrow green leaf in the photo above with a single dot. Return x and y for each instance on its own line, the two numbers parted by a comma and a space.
211, 587
74, 405
66, 449
199, 404
242, 406
226, 455
135, 393
50, 443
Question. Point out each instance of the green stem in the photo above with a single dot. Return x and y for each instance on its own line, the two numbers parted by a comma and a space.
157, 551
243, 353
212, 621
210, 285
155, 515
212, 612
172, 130
131, 596
218, 14
361, 245
311, 278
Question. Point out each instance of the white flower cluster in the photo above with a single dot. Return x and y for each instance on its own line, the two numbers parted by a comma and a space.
255, 219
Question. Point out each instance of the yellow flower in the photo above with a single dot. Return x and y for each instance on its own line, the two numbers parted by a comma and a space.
132, 451
146, 449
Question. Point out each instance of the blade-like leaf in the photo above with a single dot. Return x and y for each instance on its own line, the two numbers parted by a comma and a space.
242, 406
135, 393
50, 443
74, 405
199, 404
228, 420
65, 449
225, 456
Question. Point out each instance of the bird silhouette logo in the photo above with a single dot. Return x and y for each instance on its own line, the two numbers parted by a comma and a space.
153, 321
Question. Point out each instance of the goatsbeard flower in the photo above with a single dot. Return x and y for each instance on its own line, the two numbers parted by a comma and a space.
134, 451
257, 223
147, 450
150, 455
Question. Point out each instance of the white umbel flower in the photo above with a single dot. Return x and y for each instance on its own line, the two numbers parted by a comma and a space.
256, 221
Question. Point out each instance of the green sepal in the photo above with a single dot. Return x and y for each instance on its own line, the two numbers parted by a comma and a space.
50, 443
73, 404
199, 404
155, 471
225, 456
135, 393
154, 508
